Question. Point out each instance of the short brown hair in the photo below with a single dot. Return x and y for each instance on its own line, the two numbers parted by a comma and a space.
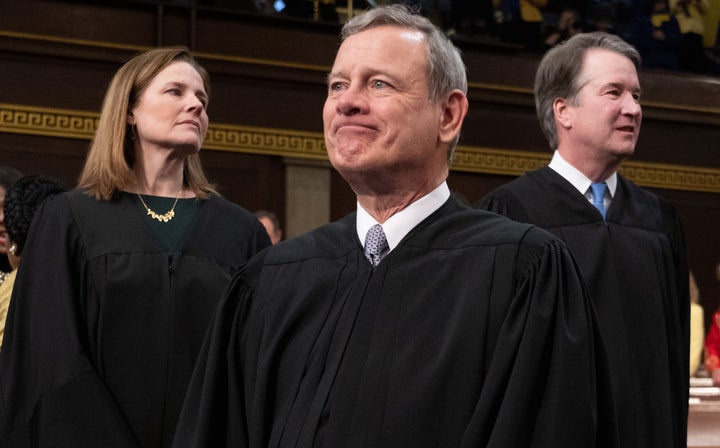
558, 75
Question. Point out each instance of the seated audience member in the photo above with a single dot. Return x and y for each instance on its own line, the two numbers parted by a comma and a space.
602, 16
7, 176
21, 200
568, 24
522, 22
689, 14
656, 35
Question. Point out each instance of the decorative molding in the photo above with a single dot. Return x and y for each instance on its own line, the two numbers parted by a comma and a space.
32, 120
647, 174
277, 142
497, 161
672, 177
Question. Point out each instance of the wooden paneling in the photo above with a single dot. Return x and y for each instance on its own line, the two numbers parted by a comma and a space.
268, 88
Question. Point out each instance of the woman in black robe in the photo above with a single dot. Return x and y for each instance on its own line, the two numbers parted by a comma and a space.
120, 276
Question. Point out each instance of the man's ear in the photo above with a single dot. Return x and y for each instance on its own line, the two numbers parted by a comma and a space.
563, 113
454, 109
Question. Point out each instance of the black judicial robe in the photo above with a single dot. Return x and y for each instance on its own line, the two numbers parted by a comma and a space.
105, 324
636, 270
475, 331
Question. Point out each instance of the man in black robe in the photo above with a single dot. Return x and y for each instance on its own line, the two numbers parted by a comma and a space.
627, 241
471, 330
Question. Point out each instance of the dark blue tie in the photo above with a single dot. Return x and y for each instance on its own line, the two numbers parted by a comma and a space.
375, 244
598, 193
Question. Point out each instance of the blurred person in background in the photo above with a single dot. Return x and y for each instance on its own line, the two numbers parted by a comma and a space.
689, 14
569, 23
272, 225
697, 326
21, 200
656, 35
7, 176
712, 343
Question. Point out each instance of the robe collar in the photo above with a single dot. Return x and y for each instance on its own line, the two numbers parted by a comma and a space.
402, 222
579, 180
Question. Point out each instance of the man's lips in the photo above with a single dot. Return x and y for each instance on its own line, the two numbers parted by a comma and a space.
353, 125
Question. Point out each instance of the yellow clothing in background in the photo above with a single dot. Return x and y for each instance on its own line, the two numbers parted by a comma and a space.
5, 292
692, 22
530, 10
697, 335
711, 20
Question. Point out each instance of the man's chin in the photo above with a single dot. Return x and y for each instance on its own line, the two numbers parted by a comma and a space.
624, 151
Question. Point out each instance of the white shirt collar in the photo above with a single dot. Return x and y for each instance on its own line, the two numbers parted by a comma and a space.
576, 178
402, 222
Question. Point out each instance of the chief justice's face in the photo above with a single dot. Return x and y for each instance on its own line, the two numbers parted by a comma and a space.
378, 117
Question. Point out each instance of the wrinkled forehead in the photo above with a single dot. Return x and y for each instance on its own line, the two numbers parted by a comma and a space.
608, 65
384, 38
392, 50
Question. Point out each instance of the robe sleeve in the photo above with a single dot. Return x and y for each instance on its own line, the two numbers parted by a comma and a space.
50, 392
503, 203
548, 383
678, 327
214, 413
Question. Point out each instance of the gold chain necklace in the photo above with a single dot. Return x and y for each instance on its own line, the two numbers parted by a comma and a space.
166, 216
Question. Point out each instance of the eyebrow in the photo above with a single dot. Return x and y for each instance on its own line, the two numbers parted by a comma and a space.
622, 86
372, 73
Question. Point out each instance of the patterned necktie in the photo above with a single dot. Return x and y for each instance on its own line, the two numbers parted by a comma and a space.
375, 244
598, 193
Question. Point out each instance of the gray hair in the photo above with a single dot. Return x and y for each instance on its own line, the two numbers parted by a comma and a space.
446, 69
558, 75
